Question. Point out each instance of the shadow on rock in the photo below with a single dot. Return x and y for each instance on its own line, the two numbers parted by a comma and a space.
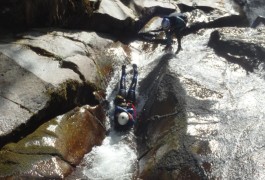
162, 129
237, 47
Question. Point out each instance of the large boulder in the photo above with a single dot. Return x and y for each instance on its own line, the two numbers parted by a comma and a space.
42, 78
55, 147
219, 76
22, 95
37, 63
162, 141
244, 47
115, 9
40, 73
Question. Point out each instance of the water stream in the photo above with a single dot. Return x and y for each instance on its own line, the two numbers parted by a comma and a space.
230, 117
116, 158
232, 123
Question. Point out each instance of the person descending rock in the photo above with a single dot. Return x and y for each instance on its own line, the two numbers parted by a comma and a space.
173, 24
125, 112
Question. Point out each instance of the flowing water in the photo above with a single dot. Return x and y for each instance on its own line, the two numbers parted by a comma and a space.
230, 116
116, 158
232, 120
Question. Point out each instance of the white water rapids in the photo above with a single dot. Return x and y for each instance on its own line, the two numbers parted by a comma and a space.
233, 123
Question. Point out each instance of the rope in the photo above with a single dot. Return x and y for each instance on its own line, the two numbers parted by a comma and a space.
157, 117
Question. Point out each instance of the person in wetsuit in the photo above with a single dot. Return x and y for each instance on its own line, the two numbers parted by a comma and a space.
173, 24
125, 111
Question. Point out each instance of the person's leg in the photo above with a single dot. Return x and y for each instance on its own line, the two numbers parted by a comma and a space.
179, 44
122, 91
121, 96
131, 92
169, 36
179, 37
169, 41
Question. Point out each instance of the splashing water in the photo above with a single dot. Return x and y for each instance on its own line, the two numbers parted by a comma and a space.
114, 159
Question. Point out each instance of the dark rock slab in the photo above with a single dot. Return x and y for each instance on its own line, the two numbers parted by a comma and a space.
162, 129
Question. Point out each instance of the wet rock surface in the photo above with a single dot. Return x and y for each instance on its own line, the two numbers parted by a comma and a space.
21, 92
39, 73
241, 46
44, 74
47, 72
56, 147
163, 150
233, 45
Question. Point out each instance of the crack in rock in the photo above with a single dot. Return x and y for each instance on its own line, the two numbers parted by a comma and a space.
20, 105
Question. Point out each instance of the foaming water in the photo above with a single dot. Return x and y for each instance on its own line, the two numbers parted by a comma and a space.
114, 159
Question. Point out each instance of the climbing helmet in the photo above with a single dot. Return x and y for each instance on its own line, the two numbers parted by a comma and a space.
165, 23
123, 118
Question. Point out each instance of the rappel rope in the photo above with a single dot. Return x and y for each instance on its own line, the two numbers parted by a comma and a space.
159, 117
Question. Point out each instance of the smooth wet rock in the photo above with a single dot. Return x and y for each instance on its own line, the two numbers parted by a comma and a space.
162, 129
26, 166
243, 46
55, 147
22, 94
115, 9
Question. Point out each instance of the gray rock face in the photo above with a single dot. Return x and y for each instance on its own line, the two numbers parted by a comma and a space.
222, 100
22, 95
251, 9
39, 62
44, 74
162, 131
220, 110
115, 9
240, 46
